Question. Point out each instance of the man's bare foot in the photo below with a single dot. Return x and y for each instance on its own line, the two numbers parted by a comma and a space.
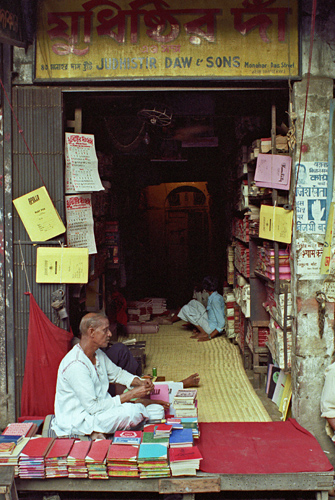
97, 435
147, 402
187, 326
191, 381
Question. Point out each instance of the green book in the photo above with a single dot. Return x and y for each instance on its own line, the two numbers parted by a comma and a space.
148, 437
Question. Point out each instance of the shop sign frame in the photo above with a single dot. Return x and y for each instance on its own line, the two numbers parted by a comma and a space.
11, 27
87, 40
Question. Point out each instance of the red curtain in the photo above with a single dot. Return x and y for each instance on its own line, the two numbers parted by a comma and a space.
47, 345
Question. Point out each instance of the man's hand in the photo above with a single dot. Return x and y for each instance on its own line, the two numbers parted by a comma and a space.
143, 381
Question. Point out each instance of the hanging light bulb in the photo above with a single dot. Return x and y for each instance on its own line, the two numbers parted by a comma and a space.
146, 139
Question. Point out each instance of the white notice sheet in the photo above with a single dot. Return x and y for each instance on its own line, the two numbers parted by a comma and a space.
81, 164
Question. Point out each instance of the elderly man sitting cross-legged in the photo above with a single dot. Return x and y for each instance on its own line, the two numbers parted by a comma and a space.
83, 405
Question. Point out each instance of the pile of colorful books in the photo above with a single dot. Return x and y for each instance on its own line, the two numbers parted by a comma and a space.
185, 403
76, 460
32, 458
56, 459
96, 459
122, 460
153, 460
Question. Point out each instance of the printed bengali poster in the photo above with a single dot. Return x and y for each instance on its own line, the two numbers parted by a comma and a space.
80, 223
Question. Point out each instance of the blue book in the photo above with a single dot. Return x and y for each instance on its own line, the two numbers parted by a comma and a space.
181, 438
152, 452
7, 438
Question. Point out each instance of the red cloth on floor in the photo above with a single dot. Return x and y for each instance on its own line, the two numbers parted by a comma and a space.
260, 448
47, 345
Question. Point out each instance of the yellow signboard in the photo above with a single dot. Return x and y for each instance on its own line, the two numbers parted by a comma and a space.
99, 39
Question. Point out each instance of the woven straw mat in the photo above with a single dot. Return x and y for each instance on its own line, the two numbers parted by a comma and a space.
225, 393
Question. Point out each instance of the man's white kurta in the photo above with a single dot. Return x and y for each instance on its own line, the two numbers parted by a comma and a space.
82, 402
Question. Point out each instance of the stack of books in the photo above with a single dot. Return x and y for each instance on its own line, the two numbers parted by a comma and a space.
32, 458
122, 460
96, 459
191, 423
76, 464
184, 461
12, 457
153, 460
56, 459
181, 438
150, 438
24, 429
185, 403
162, 431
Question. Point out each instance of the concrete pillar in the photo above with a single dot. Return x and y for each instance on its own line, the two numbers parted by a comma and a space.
311, 353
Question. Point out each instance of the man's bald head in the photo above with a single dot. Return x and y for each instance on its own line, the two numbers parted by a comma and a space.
91, 320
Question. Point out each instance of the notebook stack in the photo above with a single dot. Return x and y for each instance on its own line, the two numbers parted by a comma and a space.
153, 460
122, 460
185, 403
184, 461
32, 458
76, 464
96, 459
56, 459
12, 457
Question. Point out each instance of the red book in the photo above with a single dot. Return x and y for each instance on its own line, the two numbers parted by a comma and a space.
149, 428
187, 453
122, 452
98, 450
60, 448
37, 447
18, 429
79, 451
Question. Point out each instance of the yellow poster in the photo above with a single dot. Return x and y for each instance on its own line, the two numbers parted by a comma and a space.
326, 254
275, 223
39, 215
62, 265
94, 39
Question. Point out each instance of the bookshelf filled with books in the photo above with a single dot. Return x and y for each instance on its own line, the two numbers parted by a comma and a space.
261, 256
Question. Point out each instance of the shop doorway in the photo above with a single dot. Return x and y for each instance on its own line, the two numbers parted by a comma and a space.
148, 139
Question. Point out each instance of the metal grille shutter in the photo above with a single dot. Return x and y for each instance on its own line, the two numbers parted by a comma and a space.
39, 112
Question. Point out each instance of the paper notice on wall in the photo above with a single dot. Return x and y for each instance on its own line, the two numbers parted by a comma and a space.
275, 223
62, 265
80, 224
39, 215
309, 255
81, 170
311, 197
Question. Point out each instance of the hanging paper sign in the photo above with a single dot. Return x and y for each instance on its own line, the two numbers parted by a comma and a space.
275, 223
80, 224
81, 169
62, 265
39, 215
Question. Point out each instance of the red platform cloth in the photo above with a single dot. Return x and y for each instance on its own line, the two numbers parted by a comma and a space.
47, 345
260, 448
